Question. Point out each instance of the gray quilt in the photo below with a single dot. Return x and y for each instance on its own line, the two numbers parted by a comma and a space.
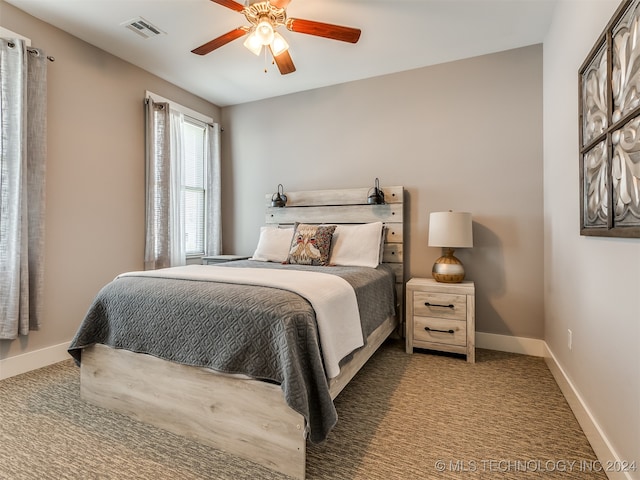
266, 333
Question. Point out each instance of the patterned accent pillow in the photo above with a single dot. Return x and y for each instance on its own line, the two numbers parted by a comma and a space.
311, 244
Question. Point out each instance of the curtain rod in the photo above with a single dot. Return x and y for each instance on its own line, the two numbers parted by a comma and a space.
32, 51
147, 99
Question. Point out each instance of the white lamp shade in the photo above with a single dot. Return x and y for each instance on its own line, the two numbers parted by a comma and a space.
264, 31
253, 43
279, 44
450, 229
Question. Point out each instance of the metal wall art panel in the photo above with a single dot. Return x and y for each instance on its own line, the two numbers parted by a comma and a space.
594, 102
609, 129
596, 191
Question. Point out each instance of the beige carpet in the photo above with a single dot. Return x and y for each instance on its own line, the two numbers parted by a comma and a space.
420, 416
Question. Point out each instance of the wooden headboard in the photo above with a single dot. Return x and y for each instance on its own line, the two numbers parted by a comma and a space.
349, 206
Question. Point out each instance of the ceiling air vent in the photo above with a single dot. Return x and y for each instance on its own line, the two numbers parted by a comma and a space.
142, 27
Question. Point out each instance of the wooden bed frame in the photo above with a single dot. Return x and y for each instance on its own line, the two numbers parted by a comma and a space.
236, 414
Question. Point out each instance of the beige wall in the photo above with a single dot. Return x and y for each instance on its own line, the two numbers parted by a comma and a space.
465, 136
592, 285
95, 173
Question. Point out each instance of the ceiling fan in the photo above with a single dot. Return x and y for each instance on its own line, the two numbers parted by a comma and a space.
265, 16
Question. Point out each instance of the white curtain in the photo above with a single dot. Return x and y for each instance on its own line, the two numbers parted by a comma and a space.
213, 208
178, 255
165, 245
160, 215
23, 93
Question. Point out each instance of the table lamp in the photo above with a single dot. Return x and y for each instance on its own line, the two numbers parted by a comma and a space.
450, 230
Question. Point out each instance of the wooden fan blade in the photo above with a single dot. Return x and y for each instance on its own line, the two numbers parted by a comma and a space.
335, 32
280, 3
230, 4
219, 42
284, 62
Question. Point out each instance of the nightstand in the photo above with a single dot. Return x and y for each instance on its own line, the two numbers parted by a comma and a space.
441, 316
215, 259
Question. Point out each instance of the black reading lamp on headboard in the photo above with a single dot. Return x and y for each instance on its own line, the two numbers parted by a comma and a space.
375, 196
279, 199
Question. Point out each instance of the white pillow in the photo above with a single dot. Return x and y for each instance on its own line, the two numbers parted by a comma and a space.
356, 245
273, 245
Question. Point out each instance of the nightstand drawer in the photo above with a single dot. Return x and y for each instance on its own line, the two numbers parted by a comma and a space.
441, 305
438, 330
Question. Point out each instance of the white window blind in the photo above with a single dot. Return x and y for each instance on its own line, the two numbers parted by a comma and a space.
195, 144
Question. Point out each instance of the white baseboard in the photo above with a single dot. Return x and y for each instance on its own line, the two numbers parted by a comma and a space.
26, 362
507, 343
601, 446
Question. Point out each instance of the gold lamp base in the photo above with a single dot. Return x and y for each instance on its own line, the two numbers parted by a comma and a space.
448, 269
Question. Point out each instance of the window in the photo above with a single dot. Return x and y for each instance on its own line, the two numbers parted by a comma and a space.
194, 188
183, 184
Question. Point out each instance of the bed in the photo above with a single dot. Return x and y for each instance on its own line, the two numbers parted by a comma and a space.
280, 396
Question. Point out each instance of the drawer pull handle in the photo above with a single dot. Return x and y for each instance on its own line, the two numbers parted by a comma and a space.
436, 330
427, 304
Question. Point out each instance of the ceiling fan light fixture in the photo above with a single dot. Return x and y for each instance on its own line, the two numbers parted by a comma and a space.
264, 18
264, 31
253, 43
279, 44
